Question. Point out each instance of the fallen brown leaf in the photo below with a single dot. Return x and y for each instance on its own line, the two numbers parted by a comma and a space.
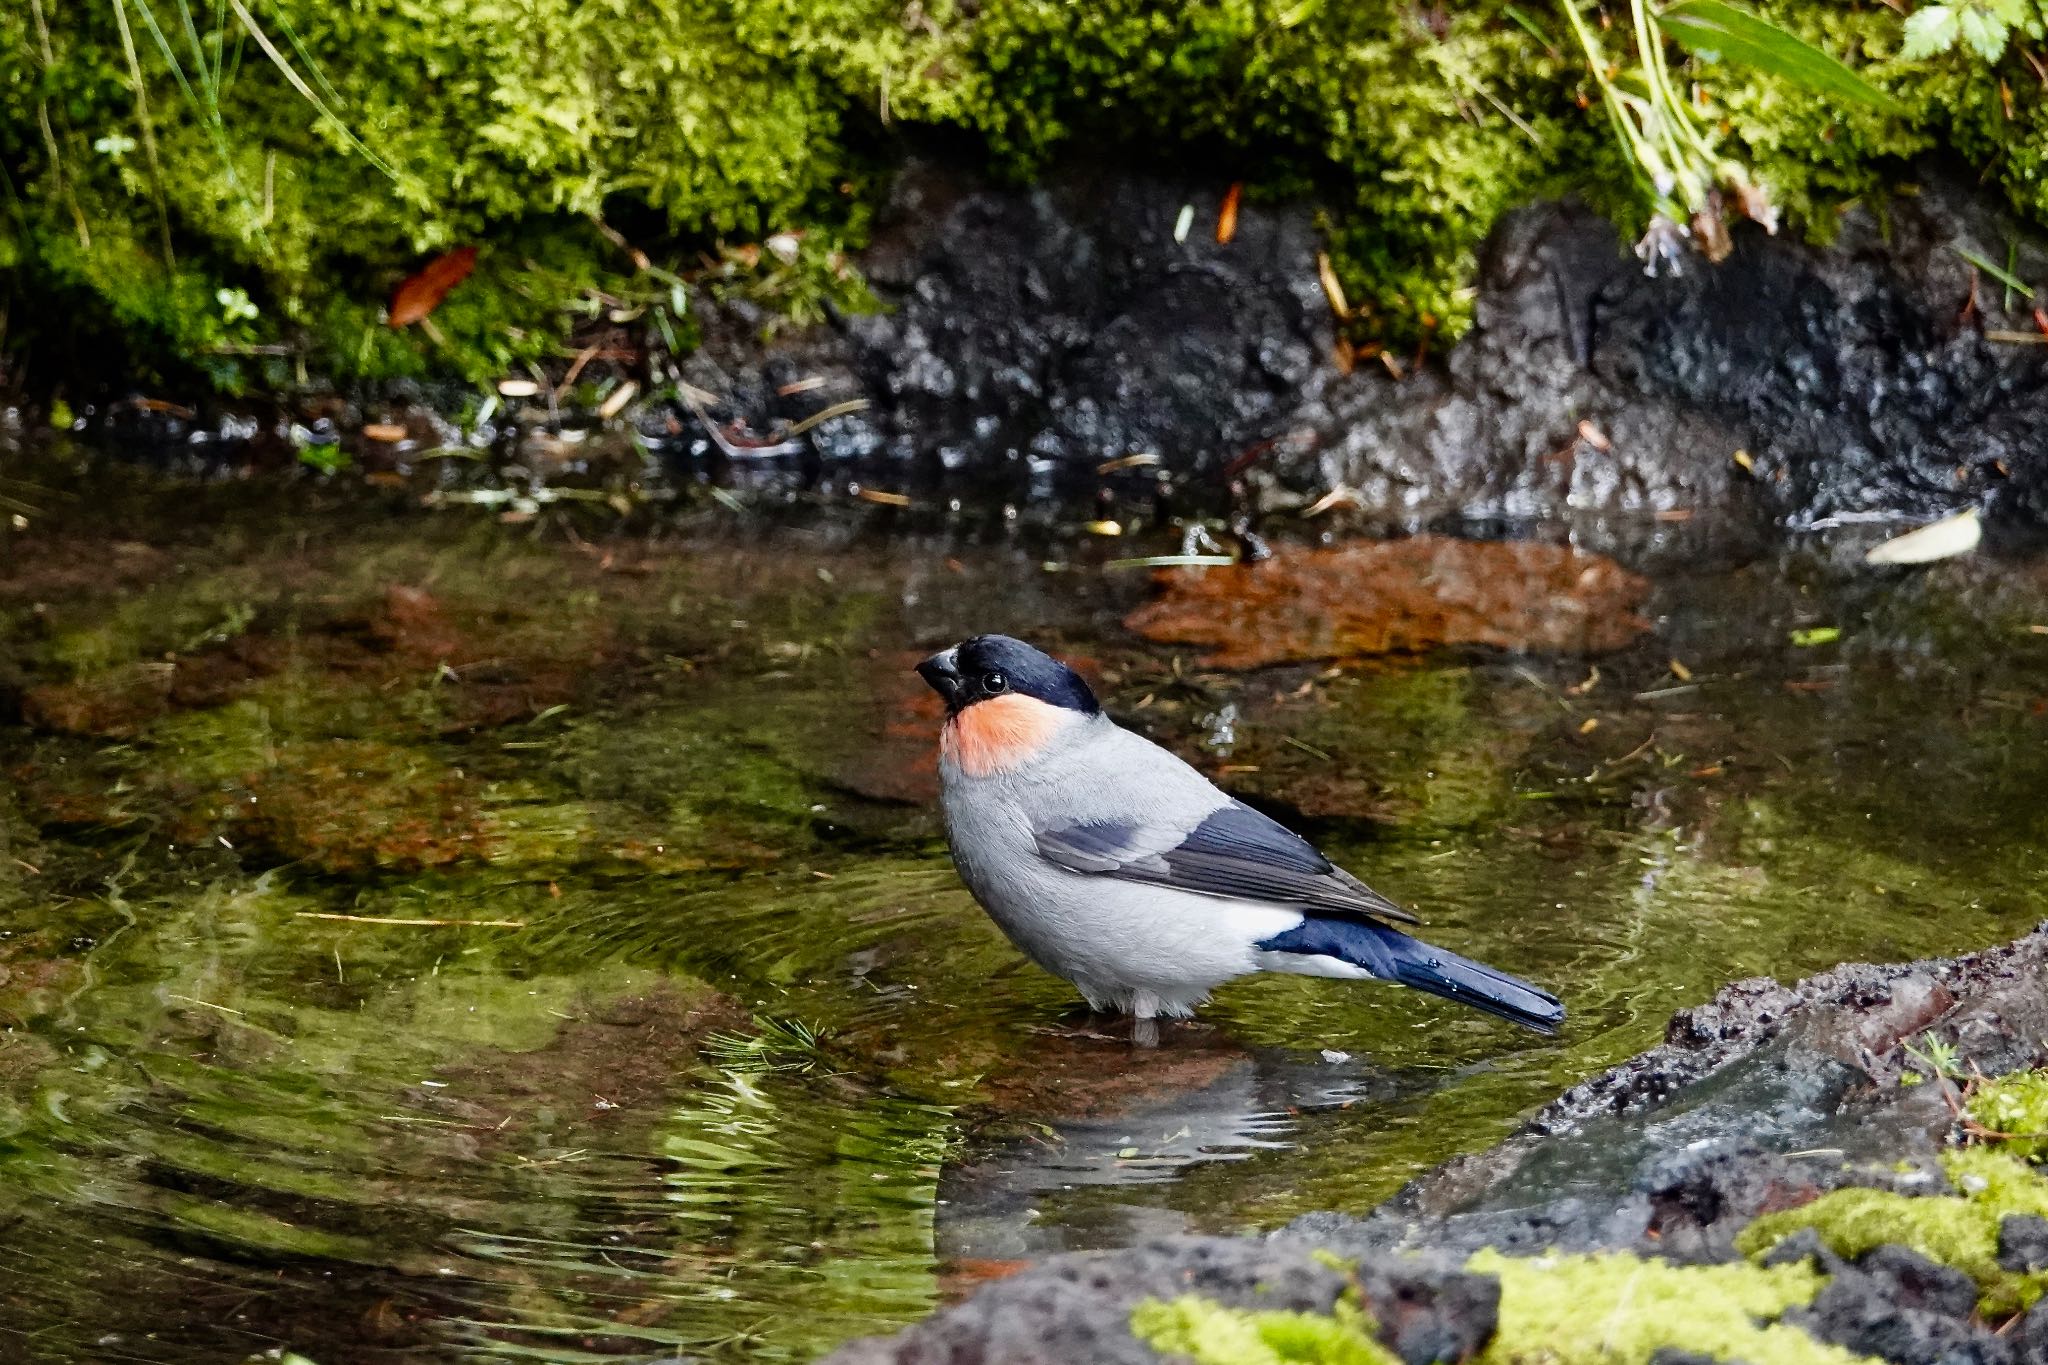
421, 293
1400, 596
1226, 217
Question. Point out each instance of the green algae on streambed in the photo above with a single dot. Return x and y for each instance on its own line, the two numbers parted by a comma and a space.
428, 935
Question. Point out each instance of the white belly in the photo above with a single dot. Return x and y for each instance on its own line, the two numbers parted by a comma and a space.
1128, 946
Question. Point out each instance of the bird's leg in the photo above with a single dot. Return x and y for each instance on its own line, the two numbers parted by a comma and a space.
1144, 1020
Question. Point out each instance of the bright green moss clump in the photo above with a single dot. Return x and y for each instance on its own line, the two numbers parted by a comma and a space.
2014, 1107
240, 187
1607, 1309
1618, 1309
1958, 1230
1210, 1334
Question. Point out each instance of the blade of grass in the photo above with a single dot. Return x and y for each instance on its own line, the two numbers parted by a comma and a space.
204, 102
220, 33
313, 68
1172, 562
306, 92
49, 57
1735, 34
1528, 24
143, 120
207, 77
1641, 158
1996, 272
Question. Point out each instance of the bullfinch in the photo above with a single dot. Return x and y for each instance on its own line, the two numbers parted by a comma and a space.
1112, 863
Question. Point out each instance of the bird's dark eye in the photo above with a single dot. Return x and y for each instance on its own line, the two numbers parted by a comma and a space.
993, 683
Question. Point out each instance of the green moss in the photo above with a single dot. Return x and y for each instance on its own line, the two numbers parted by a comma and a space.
1612, 1308
1606, 1309
1210, 1333
2016, 1108
1958, 1230
1814, 154
504, 123
173, 618
510, 123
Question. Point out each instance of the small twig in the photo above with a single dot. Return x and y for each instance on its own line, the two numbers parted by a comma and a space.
826, 415
583, 357
416, 923
1632, 753
1305, 747
207, 1004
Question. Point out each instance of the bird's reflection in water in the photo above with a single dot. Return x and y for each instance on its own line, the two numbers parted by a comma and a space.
1103, 1115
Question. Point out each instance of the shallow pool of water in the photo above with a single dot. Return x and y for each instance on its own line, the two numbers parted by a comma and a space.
428, 936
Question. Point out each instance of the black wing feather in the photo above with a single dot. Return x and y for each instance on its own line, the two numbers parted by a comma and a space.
1236, 852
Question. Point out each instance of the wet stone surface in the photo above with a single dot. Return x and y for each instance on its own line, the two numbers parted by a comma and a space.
1032, 336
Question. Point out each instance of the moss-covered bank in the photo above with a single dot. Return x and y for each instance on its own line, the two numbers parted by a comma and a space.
241, 186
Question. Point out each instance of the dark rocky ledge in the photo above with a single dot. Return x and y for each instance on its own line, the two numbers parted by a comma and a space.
1032, 335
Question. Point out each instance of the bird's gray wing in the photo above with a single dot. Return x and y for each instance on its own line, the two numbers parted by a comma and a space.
1235, 852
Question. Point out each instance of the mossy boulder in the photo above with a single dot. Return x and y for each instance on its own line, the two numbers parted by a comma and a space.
1960, 1230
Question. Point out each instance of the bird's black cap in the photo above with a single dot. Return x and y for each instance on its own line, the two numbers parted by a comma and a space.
992, 665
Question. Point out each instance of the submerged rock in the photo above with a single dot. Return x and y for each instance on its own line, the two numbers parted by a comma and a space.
1397, 597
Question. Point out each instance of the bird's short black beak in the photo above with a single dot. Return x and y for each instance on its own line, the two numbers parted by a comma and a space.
942, 673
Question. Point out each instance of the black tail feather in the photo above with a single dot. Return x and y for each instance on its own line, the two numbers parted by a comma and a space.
1393, 956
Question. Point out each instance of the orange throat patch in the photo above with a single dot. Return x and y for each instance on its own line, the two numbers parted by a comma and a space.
1000, 733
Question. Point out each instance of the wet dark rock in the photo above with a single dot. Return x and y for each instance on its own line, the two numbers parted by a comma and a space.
1805, 1246
1031, 335
1077, 1307
2023, 1242
1913, 1281
1762, 1099
2029, 1339
1899, 1306
1856, 1014
1429, 1314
